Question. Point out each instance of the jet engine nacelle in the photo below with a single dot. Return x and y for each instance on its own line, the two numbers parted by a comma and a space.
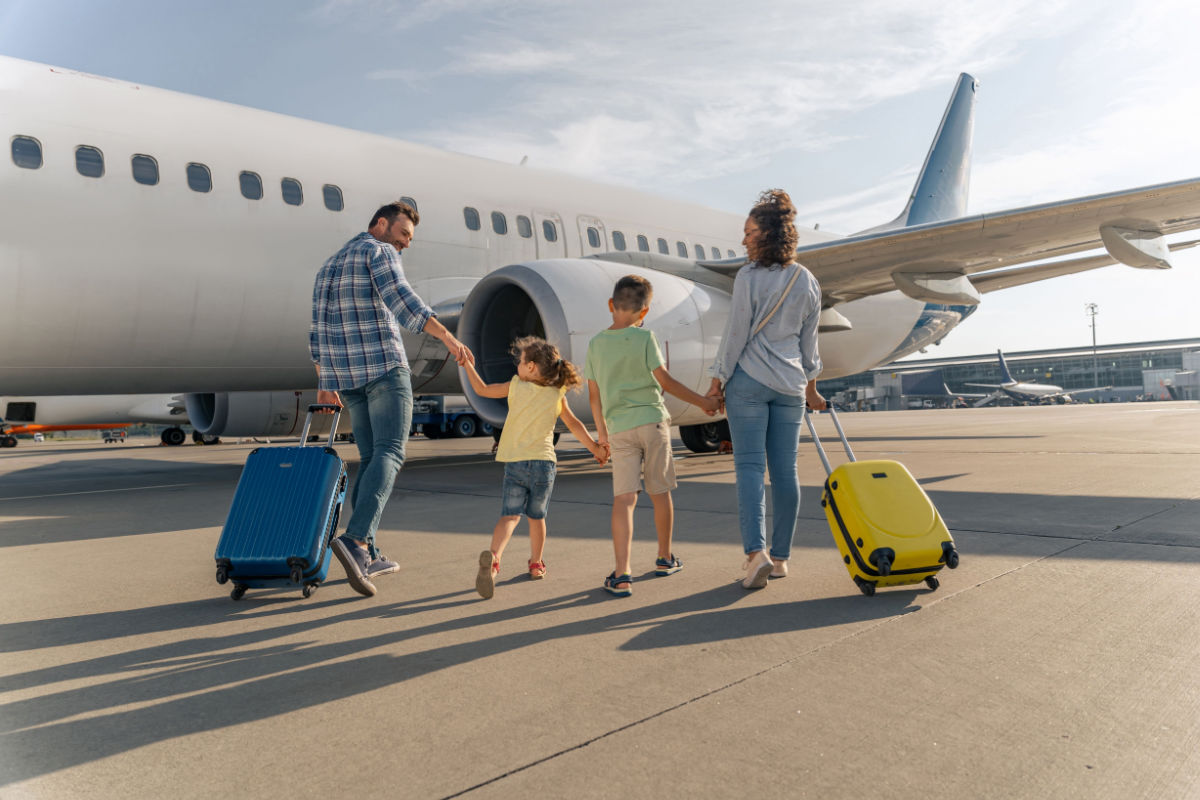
565, 301
255, 413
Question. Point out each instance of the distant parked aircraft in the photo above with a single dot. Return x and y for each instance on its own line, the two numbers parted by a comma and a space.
1028, 393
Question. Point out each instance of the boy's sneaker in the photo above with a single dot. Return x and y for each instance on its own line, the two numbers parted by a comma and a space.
485, 579
355, 561
382, 565
667, 566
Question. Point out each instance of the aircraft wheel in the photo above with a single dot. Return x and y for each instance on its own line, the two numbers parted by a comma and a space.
8, 441
704, 438
200, 438
174, 436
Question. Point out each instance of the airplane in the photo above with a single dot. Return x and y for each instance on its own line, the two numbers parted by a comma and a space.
194, 229
1028, 393
24, 415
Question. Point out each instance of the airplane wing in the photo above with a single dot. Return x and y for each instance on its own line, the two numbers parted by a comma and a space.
913, 259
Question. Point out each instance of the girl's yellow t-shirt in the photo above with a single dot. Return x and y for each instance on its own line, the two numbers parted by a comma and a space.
528, 433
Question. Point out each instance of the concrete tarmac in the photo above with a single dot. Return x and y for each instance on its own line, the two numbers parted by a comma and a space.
1060, 660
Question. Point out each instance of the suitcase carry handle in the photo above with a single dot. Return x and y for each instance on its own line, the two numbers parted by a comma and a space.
337, 414
817, 439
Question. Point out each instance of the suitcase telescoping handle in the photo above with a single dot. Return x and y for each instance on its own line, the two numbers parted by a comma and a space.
337, 413
817, 439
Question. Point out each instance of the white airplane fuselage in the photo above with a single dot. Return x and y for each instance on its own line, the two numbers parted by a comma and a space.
113, 286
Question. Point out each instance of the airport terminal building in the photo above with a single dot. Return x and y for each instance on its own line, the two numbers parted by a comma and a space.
1160, 370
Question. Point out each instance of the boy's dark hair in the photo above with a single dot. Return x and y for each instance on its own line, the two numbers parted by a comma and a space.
632, 293
393, 210
554, 370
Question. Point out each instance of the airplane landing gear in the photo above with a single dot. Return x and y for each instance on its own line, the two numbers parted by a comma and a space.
174, 436
200, 438
8, 441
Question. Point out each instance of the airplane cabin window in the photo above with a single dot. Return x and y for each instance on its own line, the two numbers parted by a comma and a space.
716, 251
293, 193
700, 252
145, 170
663, 248
593, 237
681, 248
471, 217
89, 161
333, 197
199, 178
618, 240
499, 223
549, 231
643, 244
731, 254
524, 227
251, 185
26, 152
411, 202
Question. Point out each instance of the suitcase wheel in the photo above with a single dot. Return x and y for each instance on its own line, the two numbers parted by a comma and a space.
932, 582
297, 575
222, 575
309, 588
952, 559
866, 587
239, 590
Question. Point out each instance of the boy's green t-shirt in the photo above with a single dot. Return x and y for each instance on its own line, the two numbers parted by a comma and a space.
622, 363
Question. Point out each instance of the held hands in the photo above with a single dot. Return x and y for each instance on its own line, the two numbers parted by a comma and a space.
601, 451
711, 404
716, 393
460, 352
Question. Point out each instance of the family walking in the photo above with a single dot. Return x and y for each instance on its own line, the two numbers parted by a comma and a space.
762, 378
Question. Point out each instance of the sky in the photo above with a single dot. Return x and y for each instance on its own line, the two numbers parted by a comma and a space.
713, 102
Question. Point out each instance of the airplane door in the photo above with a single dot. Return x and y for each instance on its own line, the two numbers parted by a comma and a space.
549, 234
592, 237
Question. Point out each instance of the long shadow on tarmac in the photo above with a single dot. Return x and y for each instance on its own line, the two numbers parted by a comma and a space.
274, 679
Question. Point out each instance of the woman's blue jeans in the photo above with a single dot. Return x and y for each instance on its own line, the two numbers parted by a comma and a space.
765, 425
381, 413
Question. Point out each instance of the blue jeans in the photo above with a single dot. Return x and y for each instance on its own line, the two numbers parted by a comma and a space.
381, 412
765, 425
527, 487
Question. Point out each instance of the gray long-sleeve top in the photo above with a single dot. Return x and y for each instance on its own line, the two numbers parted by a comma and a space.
783, 356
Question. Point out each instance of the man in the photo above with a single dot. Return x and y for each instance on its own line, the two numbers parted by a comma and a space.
360, 301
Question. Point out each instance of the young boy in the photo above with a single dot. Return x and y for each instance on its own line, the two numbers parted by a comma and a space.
626, 379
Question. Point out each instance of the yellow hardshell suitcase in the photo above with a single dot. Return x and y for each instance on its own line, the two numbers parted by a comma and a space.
885, 526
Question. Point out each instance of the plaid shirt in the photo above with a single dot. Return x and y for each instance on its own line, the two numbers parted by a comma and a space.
360, 297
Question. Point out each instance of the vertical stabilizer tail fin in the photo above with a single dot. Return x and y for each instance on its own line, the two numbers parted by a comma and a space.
940, 191
1005, 375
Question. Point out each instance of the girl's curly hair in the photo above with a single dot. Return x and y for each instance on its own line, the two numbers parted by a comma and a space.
775, 216
553, 368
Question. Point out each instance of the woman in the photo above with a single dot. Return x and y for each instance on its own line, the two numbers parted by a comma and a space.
765, 369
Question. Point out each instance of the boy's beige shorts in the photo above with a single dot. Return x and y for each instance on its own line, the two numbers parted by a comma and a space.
644, 449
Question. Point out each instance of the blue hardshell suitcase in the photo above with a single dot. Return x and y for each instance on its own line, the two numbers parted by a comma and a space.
283, 517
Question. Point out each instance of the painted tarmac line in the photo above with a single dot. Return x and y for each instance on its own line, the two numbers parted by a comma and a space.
98, 491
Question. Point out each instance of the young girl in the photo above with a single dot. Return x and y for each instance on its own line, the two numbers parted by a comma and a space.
535, 402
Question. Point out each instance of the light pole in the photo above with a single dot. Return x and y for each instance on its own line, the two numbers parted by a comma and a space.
1092, 309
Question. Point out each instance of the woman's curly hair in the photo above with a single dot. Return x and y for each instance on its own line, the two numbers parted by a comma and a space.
775, 216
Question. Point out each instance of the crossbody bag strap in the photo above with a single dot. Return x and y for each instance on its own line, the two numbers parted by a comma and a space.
782, 297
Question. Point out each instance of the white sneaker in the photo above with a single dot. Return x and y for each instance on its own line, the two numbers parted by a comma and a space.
780, 570
758, 569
